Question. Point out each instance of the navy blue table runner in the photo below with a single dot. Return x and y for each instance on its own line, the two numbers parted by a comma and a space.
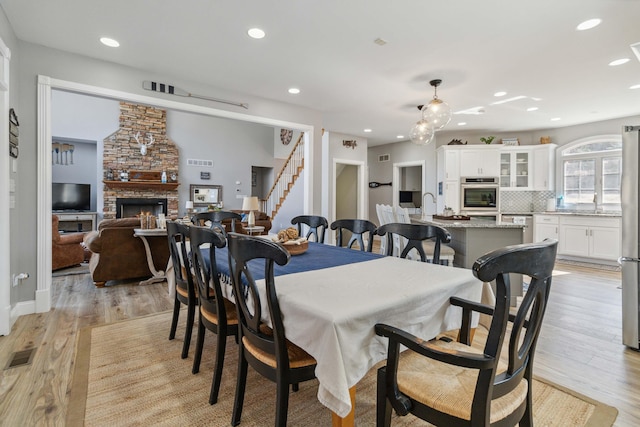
317, 257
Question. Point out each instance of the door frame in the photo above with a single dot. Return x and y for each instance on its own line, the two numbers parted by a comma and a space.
395, 187
43, 295
5, 194
362, 193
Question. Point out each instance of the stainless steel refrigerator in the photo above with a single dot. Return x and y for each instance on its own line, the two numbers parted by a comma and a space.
630, 260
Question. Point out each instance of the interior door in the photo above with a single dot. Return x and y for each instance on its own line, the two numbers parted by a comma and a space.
347, 194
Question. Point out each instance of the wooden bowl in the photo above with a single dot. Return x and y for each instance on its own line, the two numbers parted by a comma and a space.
295, 248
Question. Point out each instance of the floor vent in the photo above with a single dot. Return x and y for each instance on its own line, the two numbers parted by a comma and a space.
21, 358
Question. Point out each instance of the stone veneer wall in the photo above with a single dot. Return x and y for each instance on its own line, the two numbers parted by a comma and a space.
122, 153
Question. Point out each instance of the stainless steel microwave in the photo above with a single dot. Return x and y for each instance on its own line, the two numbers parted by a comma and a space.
479, 195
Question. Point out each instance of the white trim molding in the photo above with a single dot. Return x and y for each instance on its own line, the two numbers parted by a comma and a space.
6, 321
45, 86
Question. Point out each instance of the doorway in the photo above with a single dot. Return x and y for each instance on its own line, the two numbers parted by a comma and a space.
349, 194
409, 185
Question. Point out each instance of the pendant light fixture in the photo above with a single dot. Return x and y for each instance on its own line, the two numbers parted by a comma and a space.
437, 112
421, 133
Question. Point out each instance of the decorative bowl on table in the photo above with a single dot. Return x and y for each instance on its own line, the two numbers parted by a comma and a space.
296, 247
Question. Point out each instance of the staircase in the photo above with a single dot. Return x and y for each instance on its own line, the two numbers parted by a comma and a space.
287, 176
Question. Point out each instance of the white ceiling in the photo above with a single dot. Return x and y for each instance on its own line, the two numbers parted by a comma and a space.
326, 48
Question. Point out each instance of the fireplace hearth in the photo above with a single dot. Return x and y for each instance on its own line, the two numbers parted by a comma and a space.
132, 207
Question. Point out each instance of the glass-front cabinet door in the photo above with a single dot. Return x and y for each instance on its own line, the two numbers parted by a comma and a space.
515, 169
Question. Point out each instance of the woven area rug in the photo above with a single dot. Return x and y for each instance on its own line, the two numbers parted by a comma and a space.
129, 373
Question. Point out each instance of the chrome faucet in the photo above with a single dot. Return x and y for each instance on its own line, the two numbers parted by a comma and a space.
433, 198
595, 202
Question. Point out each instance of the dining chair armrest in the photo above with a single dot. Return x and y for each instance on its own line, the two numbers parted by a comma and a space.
453, 357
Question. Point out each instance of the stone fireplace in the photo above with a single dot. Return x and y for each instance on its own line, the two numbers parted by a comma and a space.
123, 153
132, 207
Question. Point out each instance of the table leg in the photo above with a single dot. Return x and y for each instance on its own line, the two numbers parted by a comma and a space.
157, 276
349, 420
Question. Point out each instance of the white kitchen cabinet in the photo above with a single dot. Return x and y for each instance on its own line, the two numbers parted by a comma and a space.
448, 173
480, 162
590, 237
544, 167
451, 193
545, 227
515, 169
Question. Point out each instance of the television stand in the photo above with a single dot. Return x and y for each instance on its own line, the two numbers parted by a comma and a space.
76, 221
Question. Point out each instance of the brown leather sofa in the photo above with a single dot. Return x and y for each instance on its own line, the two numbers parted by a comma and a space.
262, 219
66, 249
118, 254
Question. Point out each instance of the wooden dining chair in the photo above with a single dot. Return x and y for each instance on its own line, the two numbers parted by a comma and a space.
185, 292
447, 253
266, 349
216, 218
217, 313
359, 229
415, 236
317, 225
450, 383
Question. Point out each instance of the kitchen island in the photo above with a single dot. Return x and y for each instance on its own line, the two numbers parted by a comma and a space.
475, 237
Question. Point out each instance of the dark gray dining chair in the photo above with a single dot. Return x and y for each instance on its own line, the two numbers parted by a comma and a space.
216, 218
450, 383
265, 348
359, 229
416, 235
316, 224
217, 313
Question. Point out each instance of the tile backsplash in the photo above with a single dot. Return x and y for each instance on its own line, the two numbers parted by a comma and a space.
524, 201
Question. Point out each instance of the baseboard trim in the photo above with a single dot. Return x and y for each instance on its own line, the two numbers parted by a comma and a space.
21, 309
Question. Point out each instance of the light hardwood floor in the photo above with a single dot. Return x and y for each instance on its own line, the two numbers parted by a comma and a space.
580, 344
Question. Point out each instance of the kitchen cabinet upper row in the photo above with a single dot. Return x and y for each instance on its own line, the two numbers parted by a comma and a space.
518, 168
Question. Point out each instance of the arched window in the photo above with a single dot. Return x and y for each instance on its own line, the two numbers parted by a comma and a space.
591, 171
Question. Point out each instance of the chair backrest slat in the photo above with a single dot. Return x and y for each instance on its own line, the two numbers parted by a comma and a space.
216, 218
358, 228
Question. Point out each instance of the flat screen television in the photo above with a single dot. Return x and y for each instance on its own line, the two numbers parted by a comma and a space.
70, 197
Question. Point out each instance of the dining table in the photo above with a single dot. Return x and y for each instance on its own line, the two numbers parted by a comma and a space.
332, 297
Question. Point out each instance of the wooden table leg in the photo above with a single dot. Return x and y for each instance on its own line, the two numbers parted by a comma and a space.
349, 420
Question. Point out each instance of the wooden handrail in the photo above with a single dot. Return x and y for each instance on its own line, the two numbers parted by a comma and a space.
284, 166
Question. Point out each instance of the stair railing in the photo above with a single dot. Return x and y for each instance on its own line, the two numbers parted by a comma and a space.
287, 176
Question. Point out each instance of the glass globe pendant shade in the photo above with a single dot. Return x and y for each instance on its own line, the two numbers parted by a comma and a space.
437, 113
421, 133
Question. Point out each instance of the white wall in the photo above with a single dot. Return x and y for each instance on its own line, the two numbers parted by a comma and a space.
31, 60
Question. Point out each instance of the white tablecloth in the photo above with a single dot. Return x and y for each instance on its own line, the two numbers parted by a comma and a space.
331, 314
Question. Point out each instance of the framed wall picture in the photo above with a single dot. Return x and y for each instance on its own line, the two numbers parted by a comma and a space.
205, 195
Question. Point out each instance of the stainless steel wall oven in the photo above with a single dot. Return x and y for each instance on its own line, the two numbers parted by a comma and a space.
479, 195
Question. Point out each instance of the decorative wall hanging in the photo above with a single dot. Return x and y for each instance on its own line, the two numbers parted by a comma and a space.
13, 133
143, 146
62, 153
350, 143
172, 90
286, 135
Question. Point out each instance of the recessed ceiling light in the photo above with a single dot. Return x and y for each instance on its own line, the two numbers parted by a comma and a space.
462, 124
555, 119
532, 108
294, 90
109, 42
368, 130
634, 87
400, 136
588, 24
256, 33
501, 93
619, 62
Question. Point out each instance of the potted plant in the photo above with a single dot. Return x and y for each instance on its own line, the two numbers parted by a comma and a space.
488, 139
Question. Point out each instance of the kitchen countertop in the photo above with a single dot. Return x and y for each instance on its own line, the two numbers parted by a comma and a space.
472, 223
575, 213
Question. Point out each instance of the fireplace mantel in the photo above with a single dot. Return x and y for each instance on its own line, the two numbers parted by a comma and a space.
141, 185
